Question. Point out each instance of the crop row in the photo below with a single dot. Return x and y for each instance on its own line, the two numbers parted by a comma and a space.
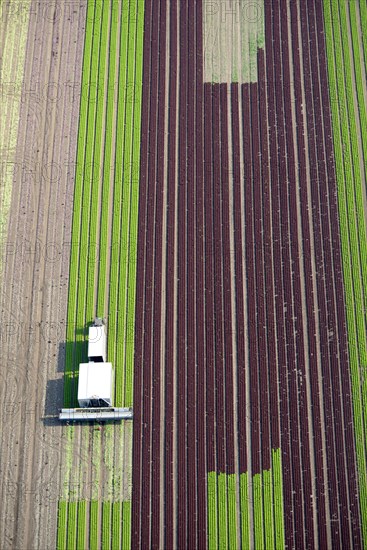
283, 250
105, 212
352, 223
117, 143
111, 529
289, 178
336, 377
145, 500
70, 359
359, 66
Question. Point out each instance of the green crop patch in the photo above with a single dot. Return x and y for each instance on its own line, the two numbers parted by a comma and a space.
259, 520
103, 262
350, 174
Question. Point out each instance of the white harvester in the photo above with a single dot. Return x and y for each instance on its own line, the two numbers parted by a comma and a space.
96, 383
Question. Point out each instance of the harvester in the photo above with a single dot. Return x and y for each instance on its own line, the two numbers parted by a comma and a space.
96, 383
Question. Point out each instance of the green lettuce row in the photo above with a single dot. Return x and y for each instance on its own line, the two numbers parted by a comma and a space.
352, 224
61, 525
106, 525
116, 526
72, 524
359, 62
93, 525
109, 133
81, 542
126, 524
133, 240
363, 24
70, 360
124, 173
93, 170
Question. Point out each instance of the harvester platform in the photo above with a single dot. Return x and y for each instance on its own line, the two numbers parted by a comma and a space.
95, 414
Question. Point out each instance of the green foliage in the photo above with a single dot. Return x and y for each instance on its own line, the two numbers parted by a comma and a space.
278, 499
61, 525
212, 511
222, 510
93, 525
351, 213
106, 525
81, 543
259, 497
244, 512
363, 24
72, 525
116, 525
126, 524
109, 136
107, 166
268, 509
105, 214
71, 361
232, 511
359, 68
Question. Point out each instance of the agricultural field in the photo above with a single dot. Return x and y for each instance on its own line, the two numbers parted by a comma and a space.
194, 172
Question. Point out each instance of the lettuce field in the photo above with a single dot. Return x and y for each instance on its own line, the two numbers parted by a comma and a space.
216, 210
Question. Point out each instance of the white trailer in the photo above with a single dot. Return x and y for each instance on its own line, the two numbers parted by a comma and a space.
96, 383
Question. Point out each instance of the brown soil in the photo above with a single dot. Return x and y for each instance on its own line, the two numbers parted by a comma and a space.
35, 283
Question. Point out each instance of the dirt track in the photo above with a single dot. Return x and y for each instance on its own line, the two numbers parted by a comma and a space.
34, 288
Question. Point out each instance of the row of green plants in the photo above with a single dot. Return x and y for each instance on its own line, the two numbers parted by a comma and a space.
103, 261
108, 526
79, 207
104, 237
359, 65
261, 506
278, 516
363, 25
351, 217
81, 542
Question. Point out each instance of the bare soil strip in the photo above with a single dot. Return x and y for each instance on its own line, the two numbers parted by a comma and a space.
35, 288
